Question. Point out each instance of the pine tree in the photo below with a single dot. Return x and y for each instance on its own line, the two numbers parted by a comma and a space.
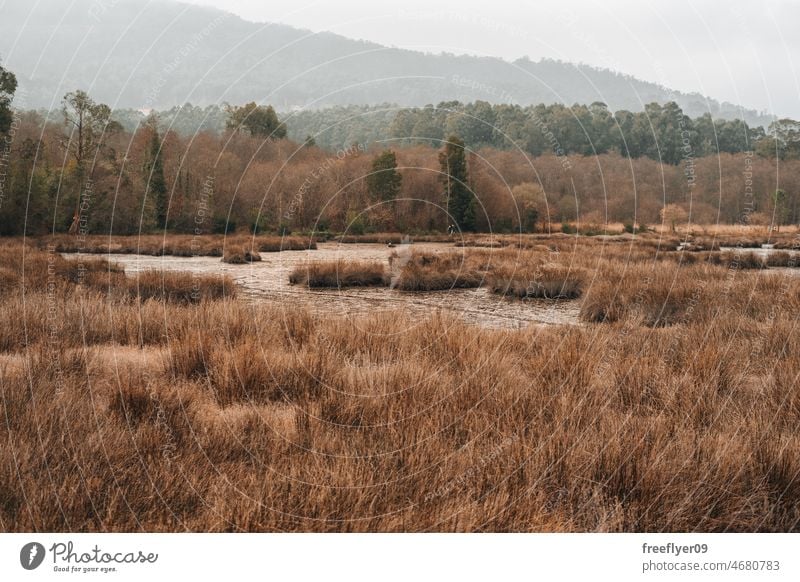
154, 176
460, 202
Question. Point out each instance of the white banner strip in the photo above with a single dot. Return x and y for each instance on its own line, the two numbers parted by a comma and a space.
402, 557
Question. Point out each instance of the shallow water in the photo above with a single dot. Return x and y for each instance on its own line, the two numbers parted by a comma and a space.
762, 251
268, 280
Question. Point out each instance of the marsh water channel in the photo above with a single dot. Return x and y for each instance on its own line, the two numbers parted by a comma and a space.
268, 280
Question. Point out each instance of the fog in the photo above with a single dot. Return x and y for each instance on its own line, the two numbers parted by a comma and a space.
741, 52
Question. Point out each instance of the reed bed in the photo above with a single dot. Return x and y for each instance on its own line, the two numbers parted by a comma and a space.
384, 424
26, 270
701, 293
174, 244
545, 281
782, 259
677, 413
240, 256
339, 274
440, 271
737, 259
396, 238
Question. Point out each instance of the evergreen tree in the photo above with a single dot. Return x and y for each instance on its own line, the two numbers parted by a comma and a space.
259, 121
8, 85
383, 183
779, 209
460, 202
154, 175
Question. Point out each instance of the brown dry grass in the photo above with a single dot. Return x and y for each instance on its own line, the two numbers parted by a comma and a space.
545, 281
782, 259
396, 238
729, 230
424, 271
788, 243
339, 274
179, 245
227, 416
737, 259
240, 256
663, 294
26, 270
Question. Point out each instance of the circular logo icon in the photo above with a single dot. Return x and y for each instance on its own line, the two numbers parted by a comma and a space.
31, 555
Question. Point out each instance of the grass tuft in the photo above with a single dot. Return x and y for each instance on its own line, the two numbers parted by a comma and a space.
339, 274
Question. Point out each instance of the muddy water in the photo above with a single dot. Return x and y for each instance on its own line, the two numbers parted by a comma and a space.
268, 280
762, 251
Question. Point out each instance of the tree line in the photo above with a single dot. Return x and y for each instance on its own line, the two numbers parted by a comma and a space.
85, 172
660, 132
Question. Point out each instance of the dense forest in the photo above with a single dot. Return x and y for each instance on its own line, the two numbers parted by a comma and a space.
660, 132
475, 166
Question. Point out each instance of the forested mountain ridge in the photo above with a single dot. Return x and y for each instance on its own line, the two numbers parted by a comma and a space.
139, 54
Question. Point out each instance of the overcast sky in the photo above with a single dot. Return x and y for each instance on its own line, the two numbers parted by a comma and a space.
744, 52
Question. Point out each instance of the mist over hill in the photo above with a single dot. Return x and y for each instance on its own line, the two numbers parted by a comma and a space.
158, 54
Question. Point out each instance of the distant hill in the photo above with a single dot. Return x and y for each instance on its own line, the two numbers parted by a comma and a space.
158, 54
